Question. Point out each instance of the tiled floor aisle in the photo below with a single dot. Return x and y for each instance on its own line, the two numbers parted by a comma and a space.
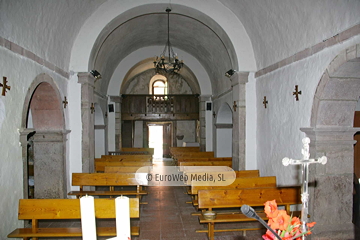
167, 216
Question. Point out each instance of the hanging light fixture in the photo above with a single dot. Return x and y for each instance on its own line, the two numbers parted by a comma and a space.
172, 64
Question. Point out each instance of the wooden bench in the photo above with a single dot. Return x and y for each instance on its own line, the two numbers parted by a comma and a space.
149, 150
122, 159
183, 165
239, 183
175, 150
110, 169
126, 157
110, 180
100, 166
193, 155
235, 198
67, 209
179, 160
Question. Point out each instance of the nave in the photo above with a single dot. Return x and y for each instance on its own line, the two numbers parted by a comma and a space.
166, 216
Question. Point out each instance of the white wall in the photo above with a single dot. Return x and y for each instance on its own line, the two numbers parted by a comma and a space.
20, 73
251, 124
278, 128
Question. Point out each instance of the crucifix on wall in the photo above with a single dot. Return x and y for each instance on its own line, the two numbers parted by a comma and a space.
65, 102
4, 86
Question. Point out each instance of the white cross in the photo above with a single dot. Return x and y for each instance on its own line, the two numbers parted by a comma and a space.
305, 177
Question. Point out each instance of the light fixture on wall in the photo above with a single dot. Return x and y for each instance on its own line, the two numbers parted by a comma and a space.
230, 73
172, 64
96, 74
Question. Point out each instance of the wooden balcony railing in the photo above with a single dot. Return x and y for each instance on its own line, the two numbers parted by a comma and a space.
160, 107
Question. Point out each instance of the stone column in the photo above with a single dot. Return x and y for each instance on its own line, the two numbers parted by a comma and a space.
205, 125
331, 185
117, 101
87, 118
50, 164
238, 84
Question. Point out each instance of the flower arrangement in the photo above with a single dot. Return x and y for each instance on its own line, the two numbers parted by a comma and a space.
287, 227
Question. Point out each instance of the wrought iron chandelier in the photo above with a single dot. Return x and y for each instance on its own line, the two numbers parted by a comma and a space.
172, 64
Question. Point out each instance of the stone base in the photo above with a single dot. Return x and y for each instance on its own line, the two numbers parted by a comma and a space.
351, 234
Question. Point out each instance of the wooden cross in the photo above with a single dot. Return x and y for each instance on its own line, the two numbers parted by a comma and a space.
65, 102
4, 86
92, 108
214, 114
234, 106
297, 92
265, 102
305, 178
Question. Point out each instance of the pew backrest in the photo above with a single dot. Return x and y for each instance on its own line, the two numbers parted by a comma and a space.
239, 183
233, 198
37, 209
100, 166
108, 179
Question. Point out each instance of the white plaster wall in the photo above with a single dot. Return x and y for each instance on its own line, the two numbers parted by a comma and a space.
209, 128
251, 127
224, 142
138, 134
20, 73
186, 128
47, 28
111, 129
278, 133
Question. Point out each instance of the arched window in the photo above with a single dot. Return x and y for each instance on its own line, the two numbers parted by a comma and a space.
158, 85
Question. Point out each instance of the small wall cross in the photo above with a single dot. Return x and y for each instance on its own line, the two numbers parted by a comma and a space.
297, 92
265, 102
4, 86
65, 102
234, 106
92, 108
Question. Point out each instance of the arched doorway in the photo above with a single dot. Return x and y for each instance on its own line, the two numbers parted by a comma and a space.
224, 126
43, 131
331, 134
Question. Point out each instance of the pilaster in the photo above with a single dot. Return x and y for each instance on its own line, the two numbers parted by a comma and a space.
87, 118
238, 84
331, 185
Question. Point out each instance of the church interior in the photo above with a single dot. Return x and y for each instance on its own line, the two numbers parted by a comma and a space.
245, 80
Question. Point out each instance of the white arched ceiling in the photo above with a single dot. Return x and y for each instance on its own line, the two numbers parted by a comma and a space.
214, 24
281, 28
190, 31
135, 57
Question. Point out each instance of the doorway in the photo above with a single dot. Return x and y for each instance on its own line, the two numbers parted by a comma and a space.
160, 139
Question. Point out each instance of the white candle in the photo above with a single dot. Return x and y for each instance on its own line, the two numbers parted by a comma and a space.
88, 225
122, 208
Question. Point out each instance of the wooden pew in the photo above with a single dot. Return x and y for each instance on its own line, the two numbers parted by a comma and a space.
175, 150
239, 183
183, 165
100, 166
179, 160
126, 157
193, 155
110, 169
110, 180
235, 198
69, 209
149, 150
106, 159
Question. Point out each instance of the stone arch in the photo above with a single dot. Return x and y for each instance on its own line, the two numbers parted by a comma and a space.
331, 134
223, 125
43, 124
